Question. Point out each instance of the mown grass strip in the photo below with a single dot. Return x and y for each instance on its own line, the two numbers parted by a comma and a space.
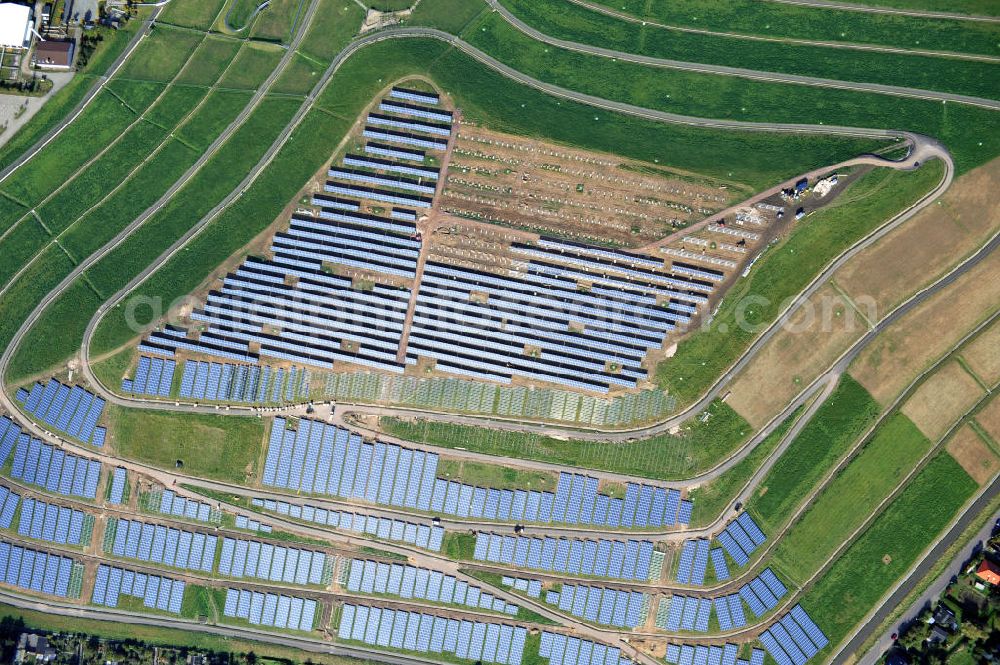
716, 96
837, 424
198, 14
222, 448
876, 560
254, 63
334, 24
772, 19
784, 270
161, 54
565, 20
893, 451
208, 62
699, 446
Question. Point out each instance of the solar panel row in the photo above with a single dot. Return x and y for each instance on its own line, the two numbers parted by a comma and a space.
168, 502
741, 538
599, 558
57, 471
225, 382
244, 522
426, 633
533, 588
763, 592
35, 570
70, 410
693, 561
565, 650
153, 376
577, 501
610, 607
271, 610
411, 582
9, 435
8, 505
266, 561
56, 524
160, 593
428, 536
119, 482
143, 541
794, 638
688, 654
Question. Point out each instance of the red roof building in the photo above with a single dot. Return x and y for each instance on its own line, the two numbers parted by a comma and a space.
989, 572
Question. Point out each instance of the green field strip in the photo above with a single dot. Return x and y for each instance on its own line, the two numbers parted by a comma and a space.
784, 270
208, 122
216, 179
209, 61
20, 245
968, 7
161, 55
102, 121
28, 290
773, 19
334, 24
199, 14
238, 14
564, 20
718, 96
869, 567
824, 440
279, 21
452, 16
712, 498
253, 64
299, 77
174, 105
894, 450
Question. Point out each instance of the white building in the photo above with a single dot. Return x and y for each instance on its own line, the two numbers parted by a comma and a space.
15, 25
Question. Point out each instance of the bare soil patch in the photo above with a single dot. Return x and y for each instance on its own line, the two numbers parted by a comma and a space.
989, 418
942, 399
815, 336
972, 453
930, 243
983, 355
904, 349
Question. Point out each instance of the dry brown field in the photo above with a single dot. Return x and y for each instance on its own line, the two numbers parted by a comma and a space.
973, 454
929, 244
816, 335
989, 418
912, 343
983, 355
942, 399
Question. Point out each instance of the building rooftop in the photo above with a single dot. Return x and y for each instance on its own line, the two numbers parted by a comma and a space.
15, 25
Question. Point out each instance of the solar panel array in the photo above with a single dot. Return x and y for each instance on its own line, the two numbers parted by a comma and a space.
794, 638
763, 592
532, 588
271, 610
168, 502
387, 474
160, 593
244, 522
35, 570
168, 546
564, 650
225, 382
741, 538
693, 561
688, 613
57, 471
618, 559
411, 582
688, 654
729, 612
69, 410
119, 483
428, 536
56, 524
536, 309
611, 607
316, 320
277, 563
153, 376
8, 506
426, 633
719, 564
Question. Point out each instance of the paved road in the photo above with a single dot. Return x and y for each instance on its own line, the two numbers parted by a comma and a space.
741, 72
877, 9
853, 46
922, 569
